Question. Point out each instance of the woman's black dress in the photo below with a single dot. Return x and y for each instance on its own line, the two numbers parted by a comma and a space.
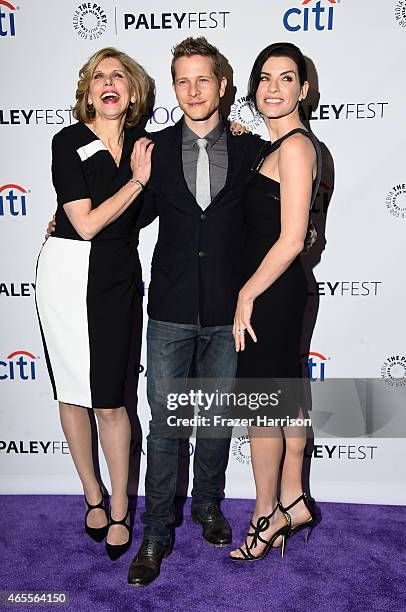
278, 312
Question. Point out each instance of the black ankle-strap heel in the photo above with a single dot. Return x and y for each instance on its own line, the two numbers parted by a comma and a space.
263, 523
309, 524
96, 533
115, 551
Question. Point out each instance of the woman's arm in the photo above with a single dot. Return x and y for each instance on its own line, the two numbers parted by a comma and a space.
297, 159
88, 222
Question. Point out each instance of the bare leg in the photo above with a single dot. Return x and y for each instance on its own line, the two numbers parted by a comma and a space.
115, 436
76, 427
266, 453
291, 483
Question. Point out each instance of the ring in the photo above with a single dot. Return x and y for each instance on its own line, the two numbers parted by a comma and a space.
241, 331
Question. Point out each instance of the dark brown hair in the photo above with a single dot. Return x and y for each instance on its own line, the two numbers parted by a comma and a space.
282, 49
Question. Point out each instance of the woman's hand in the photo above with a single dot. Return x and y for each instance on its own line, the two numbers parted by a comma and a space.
51, 228
141, 159
242, 322
237, 129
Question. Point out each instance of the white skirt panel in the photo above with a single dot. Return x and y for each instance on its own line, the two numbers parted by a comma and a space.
61, 290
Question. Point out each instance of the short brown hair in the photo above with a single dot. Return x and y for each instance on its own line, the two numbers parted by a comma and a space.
140, 84
198, 46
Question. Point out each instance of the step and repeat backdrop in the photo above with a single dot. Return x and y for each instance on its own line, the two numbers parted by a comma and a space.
356, 107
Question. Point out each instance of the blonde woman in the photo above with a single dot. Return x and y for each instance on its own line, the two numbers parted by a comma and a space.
86, 277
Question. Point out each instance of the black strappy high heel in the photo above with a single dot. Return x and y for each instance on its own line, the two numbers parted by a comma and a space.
96, 533
263, 524
309, 524
115, 551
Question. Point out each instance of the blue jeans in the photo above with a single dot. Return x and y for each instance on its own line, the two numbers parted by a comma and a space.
178, 351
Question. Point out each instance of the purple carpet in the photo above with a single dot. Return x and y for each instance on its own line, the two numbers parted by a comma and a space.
354, 560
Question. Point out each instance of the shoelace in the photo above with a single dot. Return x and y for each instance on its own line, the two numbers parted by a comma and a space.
148, 547
213, 512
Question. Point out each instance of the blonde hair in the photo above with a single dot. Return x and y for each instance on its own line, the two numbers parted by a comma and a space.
198, 46
140, 82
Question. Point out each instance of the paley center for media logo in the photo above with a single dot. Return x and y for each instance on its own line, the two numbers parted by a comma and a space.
13, 200
400, 13
90, 20
243, 111
311, 15
19, 365
7, 18
241, 450
393, 370
396, 201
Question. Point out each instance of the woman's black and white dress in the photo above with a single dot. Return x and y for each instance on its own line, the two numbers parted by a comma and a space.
85, 288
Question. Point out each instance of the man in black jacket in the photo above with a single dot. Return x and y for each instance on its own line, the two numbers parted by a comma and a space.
196, 189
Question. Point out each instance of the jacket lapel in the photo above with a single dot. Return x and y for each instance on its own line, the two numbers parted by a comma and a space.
235, 152
175, 164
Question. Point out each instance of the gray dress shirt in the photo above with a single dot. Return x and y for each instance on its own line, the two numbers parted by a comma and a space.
216, 151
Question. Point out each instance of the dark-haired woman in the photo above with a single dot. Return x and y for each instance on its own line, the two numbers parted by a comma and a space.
85, 285
270, 309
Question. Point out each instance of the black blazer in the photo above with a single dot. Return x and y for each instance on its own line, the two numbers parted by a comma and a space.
196, 266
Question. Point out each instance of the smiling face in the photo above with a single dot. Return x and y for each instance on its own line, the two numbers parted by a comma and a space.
109, 89
196, 87
279, 89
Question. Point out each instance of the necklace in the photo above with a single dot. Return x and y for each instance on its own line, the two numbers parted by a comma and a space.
118, 147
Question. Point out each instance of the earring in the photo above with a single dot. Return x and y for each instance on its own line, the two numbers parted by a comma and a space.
91, 109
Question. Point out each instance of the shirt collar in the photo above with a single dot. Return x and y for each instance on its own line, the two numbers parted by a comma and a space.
189, 137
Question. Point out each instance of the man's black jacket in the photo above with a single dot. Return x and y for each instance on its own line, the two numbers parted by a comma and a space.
196, 266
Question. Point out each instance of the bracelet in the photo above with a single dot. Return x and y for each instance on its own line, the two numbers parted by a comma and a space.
134, 180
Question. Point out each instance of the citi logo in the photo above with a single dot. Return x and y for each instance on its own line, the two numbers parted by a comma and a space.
19, 365
317, 17
13, 200
7, 24
315, 365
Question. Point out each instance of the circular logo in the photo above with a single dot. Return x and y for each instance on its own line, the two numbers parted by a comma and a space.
90, 21
400, 13
393, 370
244, 112
396, 200
241, 450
